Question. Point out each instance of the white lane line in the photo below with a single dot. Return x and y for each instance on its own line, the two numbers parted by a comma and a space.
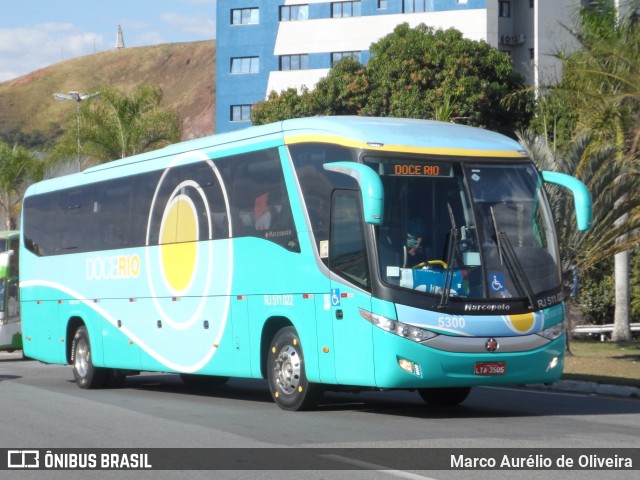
377, 468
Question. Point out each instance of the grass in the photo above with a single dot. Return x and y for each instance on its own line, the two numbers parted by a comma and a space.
603, 362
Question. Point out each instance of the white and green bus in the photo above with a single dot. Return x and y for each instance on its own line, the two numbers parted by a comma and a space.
321, 254
10, 325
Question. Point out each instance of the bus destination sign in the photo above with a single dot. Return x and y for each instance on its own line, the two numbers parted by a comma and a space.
417, 170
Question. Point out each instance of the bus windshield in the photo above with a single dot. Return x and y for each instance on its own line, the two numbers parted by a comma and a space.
465, 229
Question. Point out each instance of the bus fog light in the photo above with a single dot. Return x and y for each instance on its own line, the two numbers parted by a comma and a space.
553, 363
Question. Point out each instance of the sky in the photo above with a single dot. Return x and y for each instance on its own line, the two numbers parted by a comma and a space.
39, 33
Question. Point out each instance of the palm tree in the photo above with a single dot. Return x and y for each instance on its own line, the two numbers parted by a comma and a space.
18, 168
116, 125
609, 184
601, 88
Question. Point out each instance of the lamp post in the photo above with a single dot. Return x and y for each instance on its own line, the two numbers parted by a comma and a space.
76, 97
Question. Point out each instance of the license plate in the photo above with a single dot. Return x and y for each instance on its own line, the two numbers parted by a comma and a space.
490, 368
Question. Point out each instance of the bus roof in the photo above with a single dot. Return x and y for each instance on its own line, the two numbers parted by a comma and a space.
385, 134
398, 134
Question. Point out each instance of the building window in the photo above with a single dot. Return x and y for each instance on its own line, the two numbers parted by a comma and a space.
532, 53
294, 62
532, 3
240, 113
504, 9
382, 4
245, 65
415, 6
245, 16
290, 13
346, 9
337, 56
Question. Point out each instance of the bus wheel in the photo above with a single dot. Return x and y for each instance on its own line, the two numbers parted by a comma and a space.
285, 371
86, 375
444, 397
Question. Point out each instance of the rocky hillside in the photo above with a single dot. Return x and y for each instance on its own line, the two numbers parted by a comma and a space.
184, 71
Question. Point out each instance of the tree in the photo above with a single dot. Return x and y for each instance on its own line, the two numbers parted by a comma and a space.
18, 168
601, 89
589, 253
280, 107
413, 70
417, 73
116, 125
609, 184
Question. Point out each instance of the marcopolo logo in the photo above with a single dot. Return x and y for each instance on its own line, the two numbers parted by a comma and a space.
114, 267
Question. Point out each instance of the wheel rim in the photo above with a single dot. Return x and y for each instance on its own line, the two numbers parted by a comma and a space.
287, 370
82, 357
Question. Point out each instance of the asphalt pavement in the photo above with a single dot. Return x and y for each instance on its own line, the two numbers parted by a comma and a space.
570, 386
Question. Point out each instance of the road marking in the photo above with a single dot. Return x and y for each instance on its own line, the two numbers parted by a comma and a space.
377, 468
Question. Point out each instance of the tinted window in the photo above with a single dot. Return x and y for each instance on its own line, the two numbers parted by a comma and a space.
317, 184
129, 212
347, 249
259, 199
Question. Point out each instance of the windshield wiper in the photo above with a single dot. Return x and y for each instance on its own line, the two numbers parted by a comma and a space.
448, 278
451, 250
509, 258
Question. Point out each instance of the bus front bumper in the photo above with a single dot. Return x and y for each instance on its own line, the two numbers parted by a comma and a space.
402, 363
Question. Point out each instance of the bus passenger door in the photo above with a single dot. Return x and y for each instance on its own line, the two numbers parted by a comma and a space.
10, 328
350, 282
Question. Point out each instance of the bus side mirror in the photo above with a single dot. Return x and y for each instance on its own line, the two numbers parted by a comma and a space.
370, 188
581, 196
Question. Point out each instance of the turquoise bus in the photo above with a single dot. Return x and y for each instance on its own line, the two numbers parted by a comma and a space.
10, 326
325, 253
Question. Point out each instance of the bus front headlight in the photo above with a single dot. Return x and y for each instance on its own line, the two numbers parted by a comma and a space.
553, 332
401, 329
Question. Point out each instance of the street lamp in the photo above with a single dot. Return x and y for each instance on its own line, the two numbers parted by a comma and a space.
76, 97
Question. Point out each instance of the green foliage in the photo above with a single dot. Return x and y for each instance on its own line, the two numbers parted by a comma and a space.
413, 70
36, 139
19, 168
609, 183
417, 73
116, 125
344, 91
599, 94
599, 98
280, 107
596, 297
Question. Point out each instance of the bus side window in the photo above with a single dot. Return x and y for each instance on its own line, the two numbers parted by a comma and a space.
347, 249
260, 202
76, 211
41, 234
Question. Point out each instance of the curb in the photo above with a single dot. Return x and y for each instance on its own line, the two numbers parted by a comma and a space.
575, 386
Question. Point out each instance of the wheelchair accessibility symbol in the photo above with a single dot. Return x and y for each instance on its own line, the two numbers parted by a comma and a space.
496, 282
335, 297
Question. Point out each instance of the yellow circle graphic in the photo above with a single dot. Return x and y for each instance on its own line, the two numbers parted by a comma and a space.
522, 323
178, 237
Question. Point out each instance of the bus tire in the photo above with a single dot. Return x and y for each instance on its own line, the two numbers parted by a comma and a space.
86, 375
288, 382
444, 397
